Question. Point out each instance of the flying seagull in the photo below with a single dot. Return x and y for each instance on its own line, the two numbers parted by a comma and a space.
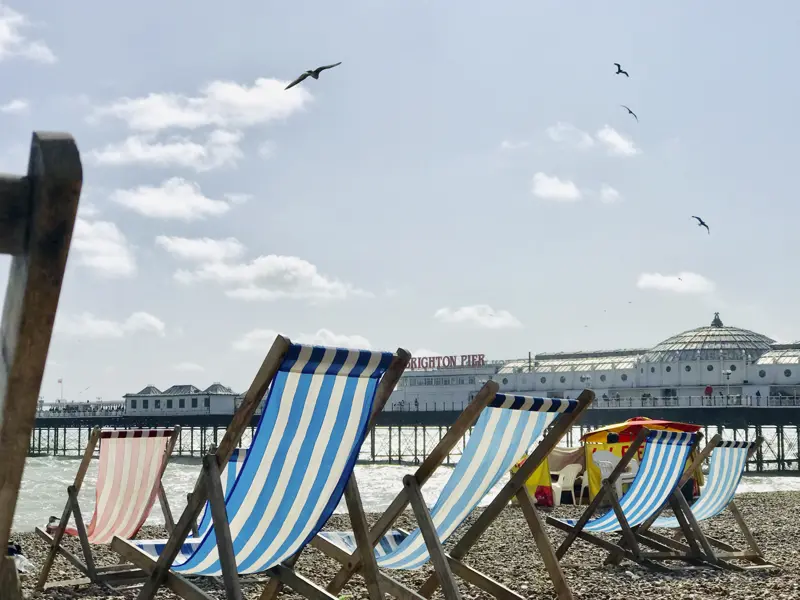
630, 112
620, 71
701, 223
312, 73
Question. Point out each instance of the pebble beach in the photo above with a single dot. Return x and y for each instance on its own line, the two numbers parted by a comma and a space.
507, 553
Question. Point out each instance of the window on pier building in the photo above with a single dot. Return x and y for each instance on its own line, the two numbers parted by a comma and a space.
207, 402
182, 403
194, 402
157, 403
133, 404
169, 402
145, 404
471, 380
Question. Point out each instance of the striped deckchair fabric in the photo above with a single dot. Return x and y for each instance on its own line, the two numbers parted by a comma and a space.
227, 477
662, 465
504, 428
132, 462
318, 409
127, 482
504, 432
728, 462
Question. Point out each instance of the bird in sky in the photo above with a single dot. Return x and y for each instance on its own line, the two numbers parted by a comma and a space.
701, 223
620, 71
630, 112
311, 73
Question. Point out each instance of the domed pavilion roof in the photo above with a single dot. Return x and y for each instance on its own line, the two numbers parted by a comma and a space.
715, 342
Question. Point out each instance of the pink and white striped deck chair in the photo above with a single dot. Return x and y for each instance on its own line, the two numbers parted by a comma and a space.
132, 462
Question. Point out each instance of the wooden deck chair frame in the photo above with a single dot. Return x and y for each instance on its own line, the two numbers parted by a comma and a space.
630, 545
208, 488
447, 564
712, 550
37, 217
119, 574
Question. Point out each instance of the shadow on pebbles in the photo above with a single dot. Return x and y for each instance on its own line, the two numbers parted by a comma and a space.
506, 552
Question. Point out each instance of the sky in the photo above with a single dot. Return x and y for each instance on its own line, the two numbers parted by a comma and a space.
465, 182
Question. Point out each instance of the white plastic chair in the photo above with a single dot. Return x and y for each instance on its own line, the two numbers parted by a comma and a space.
566, 482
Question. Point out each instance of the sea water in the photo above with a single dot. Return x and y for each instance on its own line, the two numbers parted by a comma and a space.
45, 481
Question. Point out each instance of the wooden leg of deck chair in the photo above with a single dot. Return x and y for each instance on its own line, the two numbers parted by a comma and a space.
84, 539
219, 514
358, 521
542, 540
748, 536
435, 458
80, 475
428, 530
627, 534
274, 586
169, 522
195, 533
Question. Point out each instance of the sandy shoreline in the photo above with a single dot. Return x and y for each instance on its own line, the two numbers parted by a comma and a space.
507, 553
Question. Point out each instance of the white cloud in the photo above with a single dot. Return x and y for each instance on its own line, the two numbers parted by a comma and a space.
481, 315
87, 209
15, 107
201, 249
102, 247
609, 195
553, 188
188, 367
266, 149
261, 339
616, 143
511, 145
682, 283
222, 104
567, 133
14, 43
239, 198
269, 277
220, 149
86, 325
176, 198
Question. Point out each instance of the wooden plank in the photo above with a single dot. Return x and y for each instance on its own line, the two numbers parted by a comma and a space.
479, 580
430, 463
84, 539
169, 521
180, 586
558, 429
273, 586
241, 420
434, 545
71, 558
34, 286
542, 540
15, 211
358, 522
627, 534
574, 531
219, 516
300, 584
55, 547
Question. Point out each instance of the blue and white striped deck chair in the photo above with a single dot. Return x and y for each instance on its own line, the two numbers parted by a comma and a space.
506, 429
320, 406
727, 465
663, 463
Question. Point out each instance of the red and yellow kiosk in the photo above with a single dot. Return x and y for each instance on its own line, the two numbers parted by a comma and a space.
626, 431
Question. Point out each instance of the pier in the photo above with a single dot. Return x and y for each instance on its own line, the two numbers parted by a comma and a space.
405, 436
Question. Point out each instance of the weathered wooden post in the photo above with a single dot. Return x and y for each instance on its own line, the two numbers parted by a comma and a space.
37, 216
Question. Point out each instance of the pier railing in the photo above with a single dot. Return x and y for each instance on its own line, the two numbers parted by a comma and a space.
611, 402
